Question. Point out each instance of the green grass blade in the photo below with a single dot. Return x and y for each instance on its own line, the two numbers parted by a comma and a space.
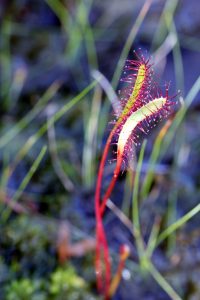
166, 18
153, 159
28, 118
180, 115
135, 200
171, 217
176, 225
163, 283
90, 143
24, 183
4, 170
130, 39
153, 238
5, 61
56, 162
109, 91
83, 20
178, 61
34, 138
128, 188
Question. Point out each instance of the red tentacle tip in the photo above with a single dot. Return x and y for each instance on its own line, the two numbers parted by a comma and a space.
124, 252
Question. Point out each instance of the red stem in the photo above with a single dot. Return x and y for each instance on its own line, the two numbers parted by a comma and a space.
112, 183
101, 244
102, 250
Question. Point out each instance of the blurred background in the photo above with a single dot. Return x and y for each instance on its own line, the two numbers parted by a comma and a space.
60, 65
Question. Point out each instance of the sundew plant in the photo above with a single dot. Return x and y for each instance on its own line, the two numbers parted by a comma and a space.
143, 105
99, 151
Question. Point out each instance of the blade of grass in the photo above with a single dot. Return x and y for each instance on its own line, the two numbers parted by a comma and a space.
34, 138
129, 42
89, 120
57, 165
176, 225
163, 283
70, 27
178, 61
153, 238
180, 115
60, 11
108, 89
19, 78
5, 61
120, 215
4, 170
171, 217
112, 97
77, 30
24, 183
89, 149
153, 159
28, 118
82, 17
165, 18
135, 209
164, 49
128, 188
171, 208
